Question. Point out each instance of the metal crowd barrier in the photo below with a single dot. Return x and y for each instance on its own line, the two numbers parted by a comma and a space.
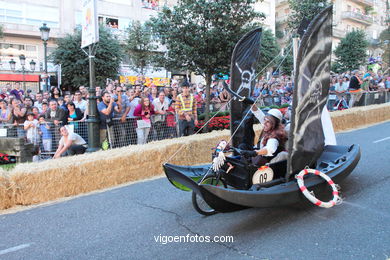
367, 98
125, 133
45, 136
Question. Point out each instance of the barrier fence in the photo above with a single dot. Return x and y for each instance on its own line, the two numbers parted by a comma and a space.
131, 131
46, 136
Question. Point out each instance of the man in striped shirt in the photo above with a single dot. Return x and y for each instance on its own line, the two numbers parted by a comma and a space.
185, 107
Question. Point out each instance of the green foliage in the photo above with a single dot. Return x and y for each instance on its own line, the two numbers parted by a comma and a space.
140, 46
1, 31
304, 9
384, 44
75, 63
8, 167
279, 34
200, 35
351, 53
269, 50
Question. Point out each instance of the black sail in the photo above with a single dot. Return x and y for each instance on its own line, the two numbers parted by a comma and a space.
312, 79
242, 70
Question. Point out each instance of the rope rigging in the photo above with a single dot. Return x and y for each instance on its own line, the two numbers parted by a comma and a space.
228, 103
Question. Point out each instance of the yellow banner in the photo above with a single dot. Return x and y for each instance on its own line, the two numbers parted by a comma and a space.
133, 80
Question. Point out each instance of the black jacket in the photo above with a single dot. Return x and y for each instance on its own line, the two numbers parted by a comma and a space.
79, 115
354, 83
60, 115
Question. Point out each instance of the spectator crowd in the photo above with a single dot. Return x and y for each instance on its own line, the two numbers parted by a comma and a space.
136, 114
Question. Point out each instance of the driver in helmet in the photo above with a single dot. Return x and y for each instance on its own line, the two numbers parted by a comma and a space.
272, 139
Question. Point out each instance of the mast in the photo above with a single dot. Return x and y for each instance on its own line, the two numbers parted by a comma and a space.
311, 87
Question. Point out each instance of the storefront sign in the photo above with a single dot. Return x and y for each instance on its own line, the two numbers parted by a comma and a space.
133, 80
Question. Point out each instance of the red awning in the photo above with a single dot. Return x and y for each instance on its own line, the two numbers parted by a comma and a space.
19, 77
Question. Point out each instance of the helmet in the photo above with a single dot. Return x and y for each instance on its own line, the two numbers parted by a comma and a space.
276, 113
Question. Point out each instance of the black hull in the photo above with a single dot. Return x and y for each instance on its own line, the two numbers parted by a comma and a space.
336, 161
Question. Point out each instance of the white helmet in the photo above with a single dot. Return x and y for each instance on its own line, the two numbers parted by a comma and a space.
276, 113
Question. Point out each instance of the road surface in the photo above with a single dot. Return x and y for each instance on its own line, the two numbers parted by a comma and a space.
137, 221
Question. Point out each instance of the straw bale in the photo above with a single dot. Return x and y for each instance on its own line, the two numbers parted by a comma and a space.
360, 116
31, 183
44, 181
5, 194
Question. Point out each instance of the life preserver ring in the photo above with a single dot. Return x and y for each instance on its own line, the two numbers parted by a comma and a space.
336, 198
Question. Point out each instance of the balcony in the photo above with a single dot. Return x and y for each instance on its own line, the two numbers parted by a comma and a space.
364, 2
338, 33
280, 2
358, 17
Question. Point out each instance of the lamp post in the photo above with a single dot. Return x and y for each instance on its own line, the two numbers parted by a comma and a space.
22, 60
45, 37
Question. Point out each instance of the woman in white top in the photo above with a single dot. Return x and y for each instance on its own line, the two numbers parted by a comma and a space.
272, 139
71, 143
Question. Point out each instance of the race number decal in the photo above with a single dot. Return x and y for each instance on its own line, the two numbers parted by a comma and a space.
262, 175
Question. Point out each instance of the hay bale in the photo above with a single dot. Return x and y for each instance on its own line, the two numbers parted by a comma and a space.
44, 181
5, 194
360, 116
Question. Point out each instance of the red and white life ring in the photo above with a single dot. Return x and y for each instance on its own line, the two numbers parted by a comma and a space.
336, 198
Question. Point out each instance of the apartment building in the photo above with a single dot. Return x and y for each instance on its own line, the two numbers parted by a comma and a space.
21, 20
368, 15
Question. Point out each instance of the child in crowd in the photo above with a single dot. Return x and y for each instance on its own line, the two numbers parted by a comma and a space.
31, 128
44, 132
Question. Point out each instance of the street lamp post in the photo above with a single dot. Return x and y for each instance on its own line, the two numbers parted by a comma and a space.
45, 37
22, 60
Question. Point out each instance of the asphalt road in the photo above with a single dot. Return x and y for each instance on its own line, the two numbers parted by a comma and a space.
124, 223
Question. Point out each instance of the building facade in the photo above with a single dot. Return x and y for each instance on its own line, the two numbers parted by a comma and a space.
348, 15
21, 20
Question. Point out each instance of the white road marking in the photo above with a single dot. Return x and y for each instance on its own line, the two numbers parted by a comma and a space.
13, 249
381, 140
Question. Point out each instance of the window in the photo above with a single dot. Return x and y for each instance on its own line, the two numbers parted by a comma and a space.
31, 48
23, 13
151, 4
109, 22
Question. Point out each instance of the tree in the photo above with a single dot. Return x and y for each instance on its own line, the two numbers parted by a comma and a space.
1, 31
304, 10
74, 62
140, 46
384, 39
269, 50
351, 53
200, 35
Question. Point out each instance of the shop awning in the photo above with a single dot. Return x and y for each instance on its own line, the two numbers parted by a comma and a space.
19, 77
